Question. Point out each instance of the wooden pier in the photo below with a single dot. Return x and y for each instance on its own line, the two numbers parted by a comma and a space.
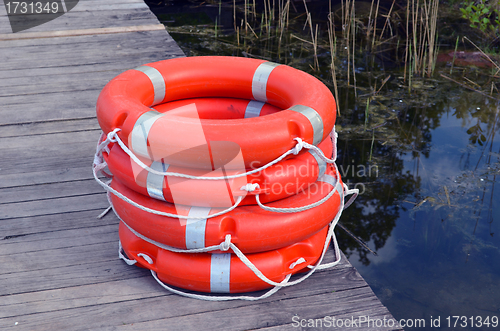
59, 263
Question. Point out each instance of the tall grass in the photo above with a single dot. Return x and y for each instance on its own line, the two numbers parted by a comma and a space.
409, 33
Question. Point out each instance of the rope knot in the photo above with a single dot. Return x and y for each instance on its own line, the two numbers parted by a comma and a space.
112, 135
250, 187
297, 148
299, 261
226, 244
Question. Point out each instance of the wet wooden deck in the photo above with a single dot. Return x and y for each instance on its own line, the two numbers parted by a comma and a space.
59, 264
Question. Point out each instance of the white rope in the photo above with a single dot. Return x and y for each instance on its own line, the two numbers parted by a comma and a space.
113, 137
100, 164
154, 211
219, 297
252, 267
223, 246
295, 209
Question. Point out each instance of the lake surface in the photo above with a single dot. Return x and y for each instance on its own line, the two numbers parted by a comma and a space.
427, 162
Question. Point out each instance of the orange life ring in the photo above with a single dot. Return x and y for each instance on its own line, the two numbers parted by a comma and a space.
221, 272
124, 103
276, 182
252, 228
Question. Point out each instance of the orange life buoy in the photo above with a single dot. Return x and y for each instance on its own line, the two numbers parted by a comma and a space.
124, 103
276, 182
252, 228
222, 272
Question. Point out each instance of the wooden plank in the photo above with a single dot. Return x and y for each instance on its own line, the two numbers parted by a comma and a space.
38, 261
97, 55
83, 272
90, 20
133, 289
17, 228
53, 206
49, 191
118, 291
74, 47
51, 175
131, 37
39, 128
98, 6
112, 67
80, 32
43, 241
71, 145
86, 6
188, 314
60, 83
355, 303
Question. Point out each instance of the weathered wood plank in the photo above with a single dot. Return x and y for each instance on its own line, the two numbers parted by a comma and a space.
133, 36
52, 206
77, 20
38, 243
81, 32
131, 290
18, 305
52, 174
187, 314
49, 191
97, 55
39, 128
355, 303
16, 229
79, 46
83, 272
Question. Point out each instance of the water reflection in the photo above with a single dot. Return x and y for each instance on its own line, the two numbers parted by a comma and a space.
432, 214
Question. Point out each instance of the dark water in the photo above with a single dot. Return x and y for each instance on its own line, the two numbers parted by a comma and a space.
427, 163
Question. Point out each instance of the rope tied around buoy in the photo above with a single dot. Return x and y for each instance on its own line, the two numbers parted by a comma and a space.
112, 137
227, 244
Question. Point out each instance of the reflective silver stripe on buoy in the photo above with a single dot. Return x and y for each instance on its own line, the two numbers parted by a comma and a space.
253, 109
328, 179
259, 81
139, 135
335, 183
314, 118
220, 270
195, 227
321, 163
157, 81
154, 182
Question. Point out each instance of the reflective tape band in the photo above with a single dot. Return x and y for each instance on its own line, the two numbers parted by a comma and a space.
195, 227
259, 81
328, 179
335, 183
321, 163
158, 83
154, 182
315, 120
253, 109
139, 135
220, 271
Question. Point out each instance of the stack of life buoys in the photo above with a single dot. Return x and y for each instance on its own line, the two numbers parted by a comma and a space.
223, 172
